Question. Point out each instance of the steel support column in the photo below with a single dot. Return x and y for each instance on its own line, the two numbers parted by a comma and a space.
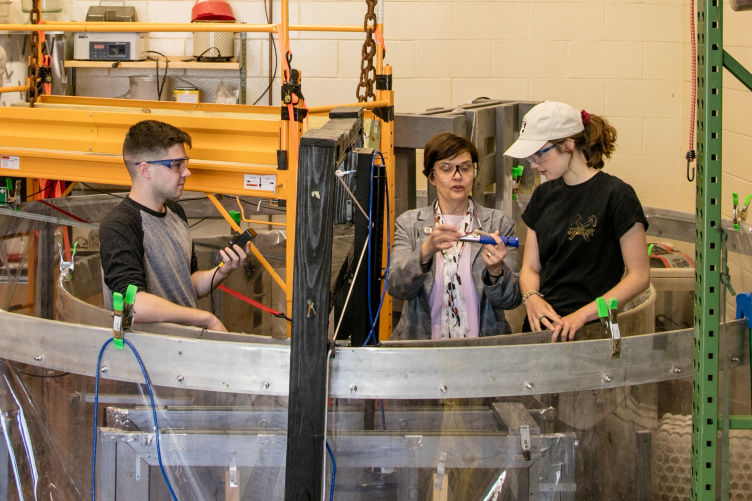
707, 250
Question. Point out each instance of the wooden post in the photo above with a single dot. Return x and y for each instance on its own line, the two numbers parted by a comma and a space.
321, 150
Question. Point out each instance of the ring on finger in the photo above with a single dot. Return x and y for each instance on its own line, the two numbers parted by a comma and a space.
488, 253
541, 318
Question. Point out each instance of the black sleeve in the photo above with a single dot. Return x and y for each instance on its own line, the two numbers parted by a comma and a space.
627, 211
121, 248
178, 209
530, 216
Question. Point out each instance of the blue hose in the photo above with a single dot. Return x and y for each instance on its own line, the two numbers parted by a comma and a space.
153, 410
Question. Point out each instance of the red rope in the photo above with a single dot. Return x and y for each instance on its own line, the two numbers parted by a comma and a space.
693, 40
252, 302
63, 211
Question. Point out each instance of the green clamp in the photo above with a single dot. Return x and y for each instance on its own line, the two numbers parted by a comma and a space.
607, 311
602, 307
123, 314
650, 249
235, 215
735, 212
117, 324
516, 177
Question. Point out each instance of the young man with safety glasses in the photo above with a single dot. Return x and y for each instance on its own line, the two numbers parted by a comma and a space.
145, 240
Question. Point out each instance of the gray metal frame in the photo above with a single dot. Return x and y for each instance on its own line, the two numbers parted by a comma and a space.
492, 126
493, 440
361, 372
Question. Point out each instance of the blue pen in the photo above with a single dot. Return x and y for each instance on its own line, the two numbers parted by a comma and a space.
484, 239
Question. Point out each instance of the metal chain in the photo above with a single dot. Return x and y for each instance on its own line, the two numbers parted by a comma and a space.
367, 69
34, 16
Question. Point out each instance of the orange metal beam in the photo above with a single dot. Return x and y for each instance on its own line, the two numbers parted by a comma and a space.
254, 250
115, 27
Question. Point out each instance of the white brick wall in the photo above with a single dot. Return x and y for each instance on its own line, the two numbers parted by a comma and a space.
626, 59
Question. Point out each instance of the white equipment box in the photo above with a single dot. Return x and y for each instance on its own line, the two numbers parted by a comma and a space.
109, 46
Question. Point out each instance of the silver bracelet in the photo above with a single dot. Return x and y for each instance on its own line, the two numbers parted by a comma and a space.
531, 293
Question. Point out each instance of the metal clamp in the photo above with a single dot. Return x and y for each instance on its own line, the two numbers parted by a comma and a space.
525, 442
607, 311
12, 193
743, 212
66, 267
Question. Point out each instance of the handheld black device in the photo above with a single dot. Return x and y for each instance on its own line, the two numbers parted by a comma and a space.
241, 239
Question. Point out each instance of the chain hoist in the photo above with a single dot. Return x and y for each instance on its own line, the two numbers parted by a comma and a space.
34, 16
367, 69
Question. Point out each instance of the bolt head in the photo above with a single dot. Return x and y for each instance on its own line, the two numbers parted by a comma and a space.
179, 378
265, 385
353, 388
677, 370
38, 358
607, 379
103, 369
529, 385
443, 388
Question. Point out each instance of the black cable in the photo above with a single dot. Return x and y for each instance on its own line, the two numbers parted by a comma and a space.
276, 58
62, 374
197, 222
164, 77
269, 207
211, 290
27, 197
103, 192
219, 53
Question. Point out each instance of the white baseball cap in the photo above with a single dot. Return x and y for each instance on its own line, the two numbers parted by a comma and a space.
546, 121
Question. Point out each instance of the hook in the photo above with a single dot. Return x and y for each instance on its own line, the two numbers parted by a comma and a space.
690, 156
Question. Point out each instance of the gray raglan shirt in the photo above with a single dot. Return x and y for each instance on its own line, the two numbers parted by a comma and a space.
151, 250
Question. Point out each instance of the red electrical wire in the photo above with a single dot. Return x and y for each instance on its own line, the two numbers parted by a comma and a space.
250, 301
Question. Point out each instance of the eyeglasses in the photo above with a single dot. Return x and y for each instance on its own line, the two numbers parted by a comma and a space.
176, 164
445, 170
537, 157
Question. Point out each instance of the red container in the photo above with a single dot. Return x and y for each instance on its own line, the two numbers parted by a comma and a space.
212, 10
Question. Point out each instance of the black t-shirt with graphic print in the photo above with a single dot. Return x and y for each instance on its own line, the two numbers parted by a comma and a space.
578, 230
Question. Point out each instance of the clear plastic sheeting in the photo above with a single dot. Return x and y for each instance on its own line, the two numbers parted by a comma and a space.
469, 449
213, 445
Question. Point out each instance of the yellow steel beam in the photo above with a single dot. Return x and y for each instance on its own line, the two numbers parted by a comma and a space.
369, 105
118, 27
206, 175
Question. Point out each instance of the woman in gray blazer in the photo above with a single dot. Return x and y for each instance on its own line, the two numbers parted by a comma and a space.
452, 288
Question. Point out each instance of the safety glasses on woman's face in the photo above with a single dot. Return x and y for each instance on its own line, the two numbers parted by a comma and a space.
176, 164
446, 170
537, 157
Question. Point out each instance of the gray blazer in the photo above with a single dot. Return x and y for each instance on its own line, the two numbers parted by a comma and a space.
408, 281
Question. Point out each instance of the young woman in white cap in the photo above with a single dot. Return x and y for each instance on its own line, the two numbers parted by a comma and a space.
586, 228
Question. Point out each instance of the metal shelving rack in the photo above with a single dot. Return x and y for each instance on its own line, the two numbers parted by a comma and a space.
711, 59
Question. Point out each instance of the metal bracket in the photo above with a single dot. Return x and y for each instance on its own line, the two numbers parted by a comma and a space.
440, 471
233, 470
139, 458
525, 441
